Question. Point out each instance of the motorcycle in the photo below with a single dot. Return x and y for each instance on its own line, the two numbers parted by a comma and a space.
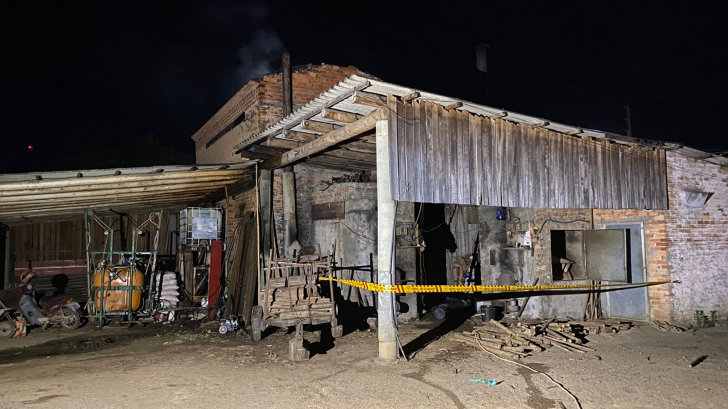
57, 309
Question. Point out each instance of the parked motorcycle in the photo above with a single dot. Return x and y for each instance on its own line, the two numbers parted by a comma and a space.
57, 309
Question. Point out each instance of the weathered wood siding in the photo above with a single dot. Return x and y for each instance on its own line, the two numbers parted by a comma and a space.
441, 156
64, 240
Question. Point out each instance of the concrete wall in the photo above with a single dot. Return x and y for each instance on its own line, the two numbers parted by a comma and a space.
355, 235
222, 149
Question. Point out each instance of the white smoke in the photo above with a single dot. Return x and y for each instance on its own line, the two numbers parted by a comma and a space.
259, 54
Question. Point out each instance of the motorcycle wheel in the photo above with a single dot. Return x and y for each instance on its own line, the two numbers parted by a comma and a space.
72, 319
7, 329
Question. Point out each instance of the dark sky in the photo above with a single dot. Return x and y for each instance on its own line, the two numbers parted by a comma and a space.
82, 78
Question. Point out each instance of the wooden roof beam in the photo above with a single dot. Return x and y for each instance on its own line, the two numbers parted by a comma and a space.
339, 116
330, 139
369, 99
410, 97
298, 136
339, 153
454, 105
320, 127
94, 187
86, 181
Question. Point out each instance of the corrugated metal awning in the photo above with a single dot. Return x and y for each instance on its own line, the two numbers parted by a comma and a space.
39, 196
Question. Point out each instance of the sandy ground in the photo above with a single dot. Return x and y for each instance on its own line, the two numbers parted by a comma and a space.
191, 366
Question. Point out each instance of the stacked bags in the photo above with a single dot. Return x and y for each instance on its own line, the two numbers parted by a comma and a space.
167, 290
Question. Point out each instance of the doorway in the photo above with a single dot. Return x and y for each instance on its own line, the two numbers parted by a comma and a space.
631, 303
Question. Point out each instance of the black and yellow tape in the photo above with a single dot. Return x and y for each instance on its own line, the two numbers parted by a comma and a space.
402, 289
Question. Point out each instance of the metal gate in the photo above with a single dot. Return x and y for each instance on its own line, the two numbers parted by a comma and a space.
631, 303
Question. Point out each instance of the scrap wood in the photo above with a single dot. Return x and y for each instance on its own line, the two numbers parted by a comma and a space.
525, 338
665, 326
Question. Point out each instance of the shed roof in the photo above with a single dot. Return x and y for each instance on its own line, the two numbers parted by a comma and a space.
354, 96
39, 196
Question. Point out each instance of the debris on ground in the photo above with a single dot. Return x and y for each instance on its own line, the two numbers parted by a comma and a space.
483, 381
665, 326
698, 360
517, 340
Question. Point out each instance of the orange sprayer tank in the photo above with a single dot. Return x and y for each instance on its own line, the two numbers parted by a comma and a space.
115, 282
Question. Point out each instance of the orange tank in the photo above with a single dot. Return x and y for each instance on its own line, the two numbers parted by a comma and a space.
115, 282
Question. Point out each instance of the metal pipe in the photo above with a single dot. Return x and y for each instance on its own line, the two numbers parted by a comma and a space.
8, 272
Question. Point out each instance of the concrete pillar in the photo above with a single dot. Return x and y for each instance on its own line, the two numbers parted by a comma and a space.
385, 251
289, 212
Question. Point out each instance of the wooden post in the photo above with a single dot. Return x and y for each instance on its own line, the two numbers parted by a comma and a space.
289, 213
386, 325
265, 217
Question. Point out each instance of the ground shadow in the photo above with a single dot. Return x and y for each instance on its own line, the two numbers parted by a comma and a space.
455, 318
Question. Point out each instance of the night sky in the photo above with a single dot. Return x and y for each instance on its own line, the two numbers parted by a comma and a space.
88, 84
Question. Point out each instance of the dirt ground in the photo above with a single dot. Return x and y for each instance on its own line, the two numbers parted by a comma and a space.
192, 366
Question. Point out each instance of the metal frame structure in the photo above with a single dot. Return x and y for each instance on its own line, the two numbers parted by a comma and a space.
107, 258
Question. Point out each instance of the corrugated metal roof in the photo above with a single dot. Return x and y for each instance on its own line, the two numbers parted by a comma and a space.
37, 196
340, 97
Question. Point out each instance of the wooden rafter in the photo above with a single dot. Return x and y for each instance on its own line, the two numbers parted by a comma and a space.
326, 141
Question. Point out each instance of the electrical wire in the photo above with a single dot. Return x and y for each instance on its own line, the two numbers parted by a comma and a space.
578, 404
393, 298
538, 234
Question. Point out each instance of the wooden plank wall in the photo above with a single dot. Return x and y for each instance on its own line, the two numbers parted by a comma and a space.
64, 240
441, 156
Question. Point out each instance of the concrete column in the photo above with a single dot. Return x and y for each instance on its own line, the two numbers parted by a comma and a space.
385, 225
289, 212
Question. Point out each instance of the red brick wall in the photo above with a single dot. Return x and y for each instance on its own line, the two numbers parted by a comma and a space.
656, 253
308, 83
267, 94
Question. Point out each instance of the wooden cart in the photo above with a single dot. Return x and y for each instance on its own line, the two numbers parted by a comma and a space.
292, 296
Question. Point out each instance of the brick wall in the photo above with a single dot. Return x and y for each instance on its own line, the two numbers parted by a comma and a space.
308, 179
261, 101
682, 243
697, 239
656, 253
308, 82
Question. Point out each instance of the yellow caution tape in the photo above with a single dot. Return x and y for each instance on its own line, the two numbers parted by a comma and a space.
401, 289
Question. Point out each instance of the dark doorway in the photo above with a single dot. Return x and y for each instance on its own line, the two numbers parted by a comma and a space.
438, 239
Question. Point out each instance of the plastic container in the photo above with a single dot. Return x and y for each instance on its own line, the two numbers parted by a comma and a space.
199, 226
115, 283
441, 311
488, 312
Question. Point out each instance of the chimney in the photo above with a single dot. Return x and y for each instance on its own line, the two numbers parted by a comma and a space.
481, 57
481, 63
287, 86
